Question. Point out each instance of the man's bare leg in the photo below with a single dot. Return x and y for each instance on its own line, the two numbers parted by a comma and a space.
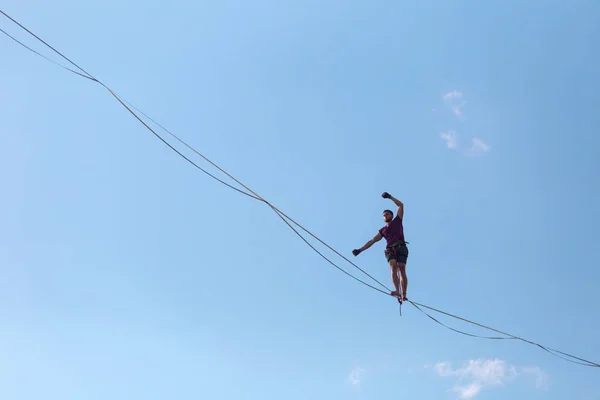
395, 277
404, 279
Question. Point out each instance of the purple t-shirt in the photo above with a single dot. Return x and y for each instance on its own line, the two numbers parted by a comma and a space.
393, 232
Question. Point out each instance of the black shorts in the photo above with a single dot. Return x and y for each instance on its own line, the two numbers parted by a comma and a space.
398, 253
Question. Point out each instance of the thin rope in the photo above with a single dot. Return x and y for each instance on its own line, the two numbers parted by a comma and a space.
43, 56
545, 348
281, 213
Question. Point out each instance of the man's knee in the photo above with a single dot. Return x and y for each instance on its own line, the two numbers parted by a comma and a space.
393, 264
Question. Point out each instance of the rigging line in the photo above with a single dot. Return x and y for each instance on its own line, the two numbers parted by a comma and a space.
279, 214
588, 363
545, 348
114, 95
461, 332
174, 149
52, 48
256, 194
321, 254
46, 58
271, 206
123, 101
551, 351
164, 141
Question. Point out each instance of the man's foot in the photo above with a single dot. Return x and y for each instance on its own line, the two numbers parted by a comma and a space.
404, 297
395, 293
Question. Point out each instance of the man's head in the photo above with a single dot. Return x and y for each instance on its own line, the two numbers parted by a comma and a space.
388, 215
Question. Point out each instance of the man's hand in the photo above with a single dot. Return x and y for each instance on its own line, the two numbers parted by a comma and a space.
397, 202
370, 243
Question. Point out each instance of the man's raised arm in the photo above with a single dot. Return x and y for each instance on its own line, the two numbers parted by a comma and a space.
397, 202
370, 243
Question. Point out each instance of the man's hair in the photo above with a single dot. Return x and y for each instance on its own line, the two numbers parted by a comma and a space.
390, 211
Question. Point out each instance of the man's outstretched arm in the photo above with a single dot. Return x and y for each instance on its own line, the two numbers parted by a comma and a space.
397, 202
370, 243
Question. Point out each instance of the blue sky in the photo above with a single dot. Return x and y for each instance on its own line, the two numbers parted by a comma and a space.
128, 274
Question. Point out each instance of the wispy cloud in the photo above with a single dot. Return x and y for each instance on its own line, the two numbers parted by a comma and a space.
469, 391
355, 376
541, 378
479, 146
455, 94
454, 100
451, 139
475, 375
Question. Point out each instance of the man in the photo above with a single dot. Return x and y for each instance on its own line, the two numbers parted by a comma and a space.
396, 251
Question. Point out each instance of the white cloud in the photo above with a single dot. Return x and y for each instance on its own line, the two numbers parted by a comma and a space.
457, 109
479, 146
467, 392
475, 375
454, 100
355, 376
455, 94
451, 139
541, 378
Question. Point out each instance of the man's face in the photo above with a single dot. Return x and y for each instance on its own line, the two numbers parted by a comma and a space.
387, 216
